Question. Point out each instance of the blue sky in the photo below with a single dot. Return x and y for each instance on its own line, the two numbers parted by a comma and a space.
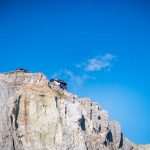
101, 48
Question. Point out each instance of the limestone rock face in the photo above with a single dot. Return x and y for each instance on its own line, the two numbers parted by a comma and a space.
38, 115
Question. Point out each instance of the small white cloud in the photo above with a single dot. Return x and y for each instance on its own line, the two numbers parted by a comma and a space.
99, 62
78, 75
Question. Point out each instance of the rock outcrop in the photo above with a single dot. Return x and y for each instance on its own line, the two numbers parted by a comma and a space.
38, 115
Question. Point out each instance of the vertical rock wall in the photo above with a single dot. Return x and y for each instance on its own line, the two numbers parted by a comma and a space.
36, 115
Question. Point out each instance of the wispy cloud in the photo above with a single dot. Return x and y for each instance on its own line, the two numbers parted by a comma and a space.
71, 77
98, 63
79, 74
76, 78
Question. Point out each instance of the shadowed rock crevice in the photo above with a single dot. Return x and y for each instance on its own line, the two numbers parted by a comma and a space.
82, 123
11, 120
56, 100
109, 138
13, 144
121, 141
65, 110
16, 112
99, 129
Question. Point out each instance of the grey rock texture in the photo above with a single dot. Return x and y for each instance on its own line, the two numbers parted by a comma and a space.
38, 115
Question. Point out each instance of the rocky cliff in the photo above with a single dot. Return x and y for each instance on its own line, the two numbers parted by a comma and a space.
38, 115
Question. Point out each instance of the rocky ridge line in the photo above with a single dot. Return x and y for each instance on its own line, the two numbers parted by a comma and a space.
38, 115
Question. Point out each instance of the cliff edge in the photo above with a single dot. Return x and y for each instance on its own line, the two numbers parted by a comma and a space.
36, 114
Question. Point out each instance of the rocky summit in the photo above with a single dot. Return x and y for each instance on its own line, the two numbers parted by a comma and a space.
36, 114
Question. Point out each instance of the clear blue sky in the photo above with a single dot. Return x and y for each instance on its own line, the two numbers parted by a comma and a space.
69, 38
